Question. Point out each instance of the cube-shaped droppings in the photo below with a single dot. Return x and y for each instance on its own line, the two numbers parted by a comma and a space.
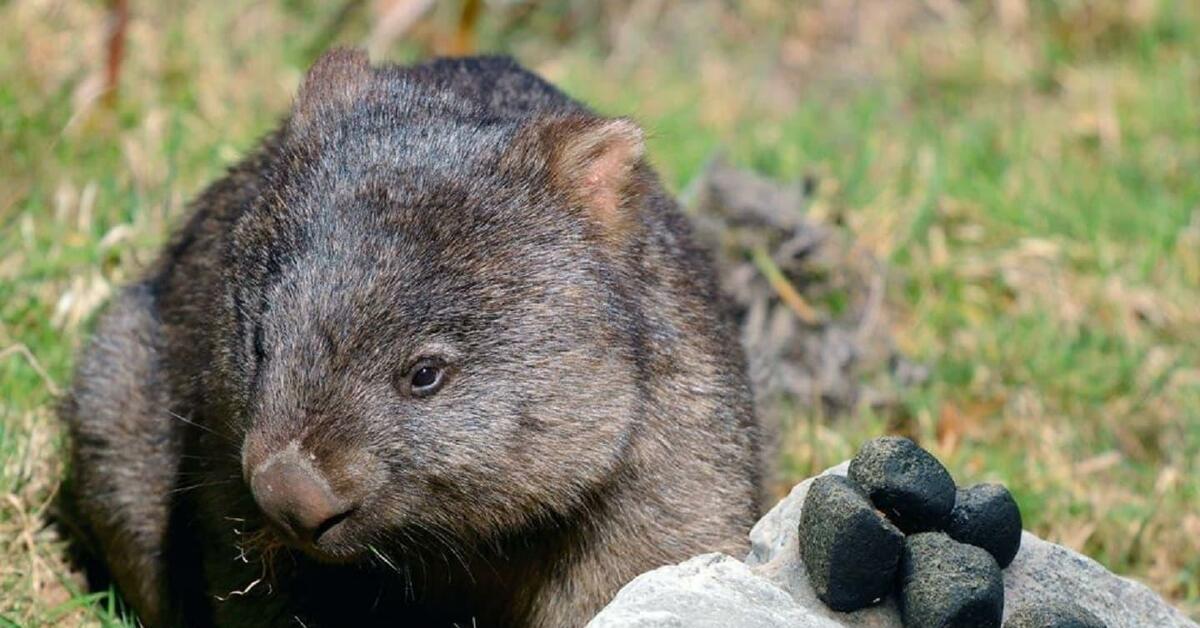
906, 482
851, 551
987, 516
947, 584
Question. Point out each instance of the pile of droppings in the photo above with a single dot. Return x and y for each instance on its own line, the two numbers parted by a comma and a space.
898, 524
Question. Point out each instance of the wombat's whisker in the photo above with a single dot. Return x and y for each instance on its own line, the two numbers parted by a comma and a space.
408, 582
197, 457
184, 489
445, 540
383, 558
205, 428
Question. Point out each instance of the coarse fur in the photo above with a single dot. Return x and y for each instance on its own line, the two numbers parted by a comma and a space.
596, 420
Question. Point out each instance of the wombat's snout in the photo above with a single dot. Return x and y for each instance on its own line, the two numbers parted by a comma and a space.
297, 497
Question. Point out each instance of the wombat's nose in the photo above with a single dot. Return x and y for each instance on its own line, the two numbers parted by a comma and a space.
296, 496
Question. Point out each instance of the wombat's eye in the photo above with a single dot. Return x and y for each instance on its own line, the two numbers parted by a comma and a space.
425, 378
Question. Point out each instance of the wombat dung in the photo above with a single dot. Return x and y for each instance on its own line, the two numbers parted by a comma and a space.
851, 551
1053, 614
906, 482
987, 516
440, 351
947, 584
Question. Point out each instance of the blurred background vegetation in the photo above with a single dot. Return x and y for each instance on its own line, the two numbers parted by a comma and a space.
1028, 170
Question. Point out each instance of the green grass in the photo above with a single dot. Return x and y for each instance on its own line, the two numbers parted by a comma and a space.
1030, 180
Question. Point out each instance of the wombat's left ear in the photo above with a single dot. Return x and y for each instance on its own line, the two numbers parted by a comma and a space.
592, 160
332, 84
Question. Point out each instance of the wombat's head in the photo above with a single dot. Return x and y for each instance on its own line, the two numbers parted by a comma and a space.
429, 319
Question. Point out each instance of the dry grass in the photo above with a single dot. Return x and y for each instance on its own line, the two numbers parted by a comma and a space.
1028, 169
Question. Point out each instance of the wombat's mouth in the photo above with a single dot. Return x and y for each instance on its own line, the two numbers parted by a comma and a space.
338, 556
331, 546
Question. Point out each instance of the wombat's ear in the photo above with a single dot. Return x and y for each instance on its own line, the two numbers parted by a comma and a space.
592, 160
333, 83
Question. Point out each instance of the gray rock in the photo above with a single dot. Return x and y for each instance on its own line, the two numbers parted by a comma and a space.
712, 590
1044, 572
708, 591
905, 482
947, 584
851, 550
987, 516
1055, 614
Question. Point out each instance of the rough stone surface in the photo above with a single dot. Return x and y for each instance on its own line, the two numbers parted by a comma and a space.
851, 550
1055, 614
987, 516
1042, 573
947, 584
708, 591
906, 482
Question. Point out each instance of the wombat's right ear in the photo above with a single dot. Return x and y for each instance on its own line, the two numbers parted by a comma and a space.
332, 84
593, 161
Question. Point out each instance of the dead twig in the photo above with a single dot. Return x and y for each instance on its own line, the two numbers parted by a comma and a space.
784, 288
463, 42
23, 351
118, 24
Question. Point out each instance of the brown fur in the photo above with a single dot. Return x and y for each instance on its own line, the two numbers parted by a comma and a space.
596, 421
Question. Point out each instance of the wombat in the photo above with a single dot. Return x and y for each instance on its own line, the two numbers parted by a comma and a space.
441, 351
